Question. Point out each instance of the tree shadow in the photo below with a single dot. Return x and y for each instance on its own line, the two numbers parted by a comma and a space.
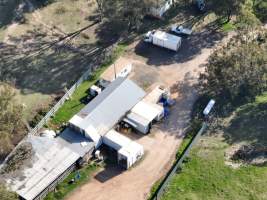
110, 31
248, 125
33, 68
13, 10
190, 48
180, 113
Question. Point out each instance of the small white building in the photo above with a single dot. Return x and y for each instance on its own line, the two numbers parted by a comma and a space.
143, 114
128, 151
161, 7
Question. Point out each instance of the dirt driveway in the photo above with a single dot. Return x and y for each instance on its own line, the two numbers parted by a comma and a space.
151, 66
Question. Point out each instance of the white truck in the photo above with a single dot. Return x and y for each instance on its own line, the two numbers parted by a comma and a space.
180, 30
163, 39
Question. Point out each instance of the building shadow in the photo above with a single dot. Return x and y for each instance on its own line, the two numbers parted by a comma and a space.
110, 171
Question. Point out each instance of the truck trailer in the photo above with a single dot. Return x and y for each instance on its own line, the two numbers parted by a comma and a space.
163, 39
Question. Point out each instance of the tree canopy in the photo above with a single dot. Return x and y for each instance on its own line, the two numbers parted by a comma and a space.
7, 195
237, 72
11, 116
226, 8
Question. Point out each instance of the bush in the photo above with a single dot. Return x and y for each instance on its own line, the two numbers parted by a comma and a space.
60, 10
40, 113
260, 9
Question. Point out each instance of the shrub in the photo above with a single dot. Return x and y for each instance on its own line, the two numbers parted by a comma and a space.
60, 10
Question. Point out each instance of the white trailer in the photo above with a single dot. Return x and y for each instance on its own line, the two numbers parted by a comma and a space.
128, 151
163, 39
115, 140
130, 154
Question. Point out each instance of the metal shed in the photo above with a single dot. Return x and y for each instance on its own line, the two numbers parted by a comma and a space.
143, 114
50, 162
128, 151
107, 109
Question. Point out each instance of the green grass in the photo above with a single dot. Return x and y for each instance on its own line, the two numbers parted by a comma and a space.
206, 177
74, 105
228, 27
64, 188
182, 147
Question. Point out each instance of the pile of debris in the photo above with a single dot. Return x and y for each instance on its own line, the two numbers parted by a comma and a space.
252, 154
18, 158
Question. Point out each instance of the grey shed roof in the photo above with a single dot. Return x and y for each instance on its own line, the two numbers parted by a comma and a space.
105, 110
50, 159
74, 141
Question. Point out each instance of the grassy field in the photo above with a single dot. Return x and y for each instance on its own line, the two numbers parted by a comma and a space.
64, 188
207, 177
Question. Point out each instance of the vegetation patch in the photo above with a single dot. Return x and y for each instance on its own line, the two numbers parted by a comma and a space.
65, 187
228, 27
21, 155
208, 175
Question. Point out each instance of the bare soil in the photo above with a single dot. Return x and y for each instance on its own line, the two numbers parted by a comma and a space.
153, 66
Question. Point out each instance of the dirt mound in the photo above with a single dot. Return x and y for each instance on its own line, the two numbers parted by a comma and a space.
247, 154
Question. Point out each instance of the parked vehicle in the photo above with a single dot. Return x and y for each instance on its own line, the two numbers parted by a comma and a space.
201, 6
163, 39
181, 30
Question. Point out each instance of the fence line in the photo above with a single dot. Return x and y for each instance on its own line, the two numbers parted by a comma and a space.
60, 103
161, 189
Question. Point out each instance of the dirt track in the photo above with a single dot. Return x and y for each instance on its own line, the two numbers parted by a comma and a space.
153, 66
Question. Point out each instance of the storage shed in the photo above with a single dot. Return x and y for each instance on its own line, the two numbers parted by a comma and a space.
51, 160
130, 154
143, 114
107, 109
128, 151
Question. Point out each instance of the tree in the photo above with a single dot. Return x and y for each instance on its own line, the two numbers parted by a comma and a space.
7, 195
100, 8
238, 71
260, 9
226, 8
129, 12
11, 119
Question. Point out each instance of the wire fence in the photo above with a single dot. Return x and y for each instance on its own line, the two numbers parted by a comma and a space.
59, 104
161, 189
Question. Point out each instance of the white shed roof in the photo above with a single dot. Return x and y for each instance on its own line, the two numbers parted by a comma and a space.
131, 149
117, 138
106, 109
155, 95
147, 110
49, 161
167, 37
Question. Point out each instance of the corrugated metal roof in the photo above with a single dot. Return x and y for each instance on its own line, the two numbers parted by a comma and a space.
136, 118
148, 111
118, 139
50, 160
110, 106
74, 141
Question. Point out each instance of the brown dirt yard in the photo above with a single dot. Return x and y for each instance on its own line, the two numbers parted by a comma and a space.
151, 66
